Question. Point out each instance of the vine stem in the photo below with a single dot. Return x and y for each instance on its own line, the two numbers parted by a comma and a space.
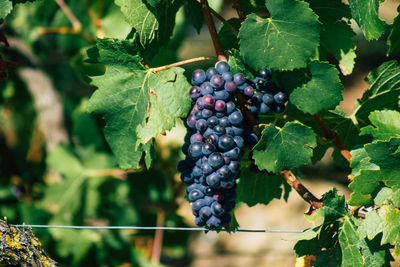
181, 63
213, 32
239, 10
334, 136
296, 184
76, 24
224, 21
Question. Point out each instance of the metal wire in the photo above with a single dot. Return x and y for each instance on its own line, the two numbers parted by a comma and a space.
153, 228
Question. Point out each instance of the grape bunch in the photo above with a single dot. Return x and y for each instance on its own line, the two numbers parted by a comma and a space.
263, 95
213, 145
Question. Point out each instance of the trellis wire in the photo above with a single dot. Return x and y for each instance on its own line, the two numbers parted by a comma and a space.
154, 228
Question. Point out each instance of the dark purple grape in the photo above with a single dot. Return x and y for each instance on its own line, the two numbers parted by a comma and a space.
234, 153
217, 81
207, 132
227, 76
211, 72
206, 89
186, 178
213, 180
243, 86
201, 125
200, 103
264, 108
268, 99
253, 109
230, 86
206, 168
237, 130
206, 113
219, 115
208, 149
198, 204
226, 142
227, 160
198, 115
230, 107
249, 91
229, 130
219, 130
257, 98
234, 166
198, 76
220, 105
265, 73
195, 150
195, 195
224, 121
280, 98
217, 209
222, 67
221, 95
239, 78
213, 138
208, 101
197, 137
239, 141
278, 108
215, 160
199, 221
236, 118
224, 172
195, 92
213, 222
205, 213
191, 121
212, 121
183, 165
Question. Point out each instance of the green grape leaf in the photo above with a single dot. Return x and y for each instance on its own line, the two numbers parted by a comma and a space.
365, 13
356, 198
383, 93
391, 224
137, 104
361, 161
195, 14
228, 39
153, 3
284, 148
372, 225
337, 38
383, 79
334, 206
252, 6
5, 8
237, 64
394, 37
387, 125
322, 92
285, 41
336, 35
357, 250
140, 16
257, 188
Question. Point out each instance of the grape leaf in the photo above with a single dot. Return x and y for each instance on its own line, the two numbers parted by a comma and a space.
137, 104
258, 188
285, 41
387, 125
153, 3
336, 35
384, 91
372, 225
322, 92
365, 13
5, 8
358, 251
141, 17
391, 225
252, 6
284, 148
195, 14
228, 39
237, 64
394, 37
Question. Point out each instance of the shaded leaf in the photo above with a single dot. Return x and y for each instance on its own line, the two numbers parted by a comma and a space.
394, 37
322, 92
387, 125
